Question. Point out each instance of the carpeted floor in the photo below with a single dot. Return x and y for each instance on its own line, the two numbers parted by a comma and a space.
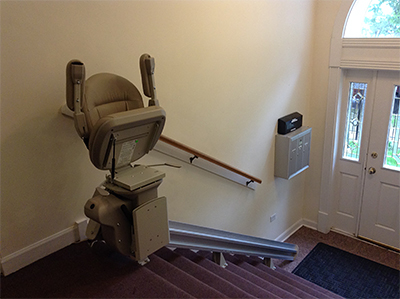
307, 239
348, 275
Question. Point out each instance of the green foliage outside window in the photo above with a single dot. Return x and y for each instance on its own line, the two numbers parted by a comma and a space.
383, 19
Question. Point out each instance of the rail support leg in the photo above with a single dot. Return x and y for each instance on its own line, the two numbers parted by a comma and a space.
269, 262
144, 261
218, 258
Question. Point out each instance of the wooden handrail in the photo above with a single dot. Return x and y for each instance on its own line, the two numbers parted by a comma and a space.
199, 154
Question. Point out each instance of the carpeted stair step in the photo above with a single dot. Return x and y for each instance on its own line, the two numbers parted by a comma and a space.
270, 286
324, 293
208, 277
79, 271
296, 286
295, 280
140, 283
247, 286
270, 278
181, 279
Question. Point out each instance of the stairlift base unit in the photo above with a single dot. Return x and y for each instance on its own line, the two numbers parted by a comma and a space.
139, 234
135, 225
115, 227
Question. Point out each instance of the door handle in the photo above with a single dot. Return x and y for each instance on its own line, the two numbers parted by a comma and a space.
371, 170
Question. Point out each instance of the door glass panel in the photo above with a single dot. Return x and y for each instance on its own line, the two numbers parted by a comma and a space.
354, 120
392, 152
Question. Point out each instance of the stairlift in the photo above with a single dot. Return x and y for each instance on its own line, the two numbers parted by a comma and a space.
125, 210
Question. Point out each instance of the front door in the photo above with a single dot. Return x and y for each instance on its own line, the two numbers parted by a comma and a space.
367, 171
379, 219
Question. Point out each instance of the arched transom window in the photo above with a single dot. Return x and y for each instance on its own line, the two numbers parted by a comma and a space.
374, 19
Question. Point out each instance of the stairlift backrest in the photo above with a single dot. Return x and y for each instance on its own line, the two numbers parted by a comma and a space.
110, 116
100, 95
107, 94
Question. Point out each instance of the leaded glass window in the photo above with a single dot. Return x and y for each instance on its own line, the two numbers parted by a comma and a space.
354, 120
392, 152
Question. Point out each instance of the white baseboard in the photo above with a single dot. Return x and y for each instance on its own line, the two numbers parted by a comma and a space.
310, 224
291, 230
22, 258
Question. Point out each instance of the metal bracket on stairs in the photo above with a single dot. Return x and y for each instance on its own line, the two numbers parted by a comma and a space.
269, 262
219, 259
183, 235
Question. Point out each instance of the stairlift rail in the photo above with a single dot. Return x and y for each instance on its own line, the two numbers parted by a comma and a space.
190, 236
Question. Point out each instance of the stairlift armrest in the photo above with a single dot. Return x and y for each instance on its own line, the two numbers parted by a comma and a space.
75, 75
80, 124
147, 66
75, 89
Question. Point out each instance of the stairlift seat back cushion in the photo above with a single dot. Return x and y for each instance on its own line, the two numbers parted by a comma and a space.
125, 136
107, 94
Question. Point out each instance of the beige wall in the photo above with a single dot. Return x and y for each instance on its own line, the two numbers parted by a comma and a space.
225, 72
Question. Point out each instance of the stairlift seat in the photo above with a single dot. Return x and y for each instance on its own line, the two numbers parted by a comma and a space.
117, 129
106, 94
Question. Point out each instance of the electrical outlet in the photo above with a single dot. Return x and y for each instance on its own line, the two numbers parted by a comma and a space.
272, 217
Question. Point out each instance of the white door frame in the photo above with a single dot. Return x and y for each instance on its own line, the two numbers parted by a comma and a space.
349, 53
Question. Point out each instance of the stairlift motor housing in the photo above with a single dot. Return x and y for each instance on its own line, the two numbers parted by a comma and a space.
109, 115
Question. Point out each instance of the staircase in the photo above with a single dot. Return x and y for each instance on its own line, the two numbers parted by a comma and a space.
196, 275
79, 271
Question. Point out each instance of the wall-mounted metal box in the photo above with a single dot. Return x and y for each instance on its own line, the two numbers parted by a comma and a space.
292, 152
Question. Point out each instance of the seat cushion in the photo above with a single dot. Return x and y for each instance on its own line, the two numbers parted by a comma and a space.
107, 94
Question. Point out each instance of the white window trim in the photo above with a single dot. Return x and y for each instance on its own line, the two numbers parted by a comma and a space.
349, 53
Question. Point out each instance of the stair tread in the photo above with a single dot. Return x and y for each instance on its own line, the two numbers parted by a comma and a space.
202, 274
147, 285
182, 279
270, 278
79, 271
297, 281
265, 284
325, 293
239, 281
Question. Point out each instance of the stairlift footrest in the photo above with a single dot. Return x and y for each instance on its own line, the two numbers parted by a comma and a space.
151, 230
